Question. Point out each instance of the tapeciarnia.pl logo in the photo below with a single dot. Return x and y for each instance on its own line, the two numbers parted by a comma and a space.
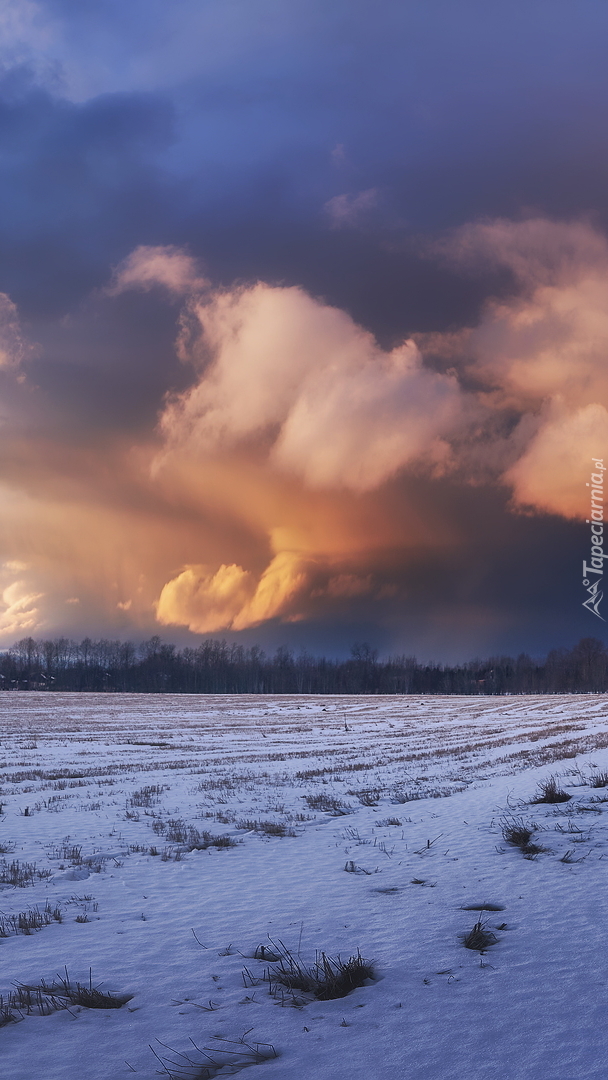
595, 567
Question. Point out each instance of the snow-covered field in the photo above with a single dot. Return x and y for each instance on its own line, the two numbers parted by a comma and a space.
115, 809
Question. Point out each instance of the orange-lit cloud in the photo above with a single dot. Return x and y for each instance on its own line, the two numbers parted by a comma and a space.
550, 340
548, 476
300, 386
205, 601
543, 352
303, 455
290, 387
19, 606
336, 410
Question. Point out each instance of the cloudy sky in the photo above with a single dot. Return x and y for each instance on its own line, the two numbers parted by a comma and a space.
303, 320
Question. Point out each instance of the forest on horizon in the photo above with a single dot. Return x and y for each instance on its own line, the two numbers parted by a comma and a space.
220, 667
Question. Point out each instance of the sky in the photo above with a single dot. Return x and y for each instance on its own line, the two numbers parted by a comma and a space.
303, 322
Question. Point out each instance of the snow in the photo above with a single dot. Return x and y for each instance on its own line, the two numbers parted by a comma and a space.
176, 930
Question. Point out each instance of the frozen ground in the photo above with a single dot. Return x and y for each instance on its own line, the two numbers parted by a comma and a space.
411, 794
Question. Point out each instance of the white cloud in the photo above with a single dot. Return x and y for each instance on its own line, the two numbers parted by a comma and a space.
339, 410
149, 267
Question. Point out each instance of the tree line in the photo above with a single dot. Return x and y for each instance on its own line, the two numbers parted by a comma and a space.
219, 667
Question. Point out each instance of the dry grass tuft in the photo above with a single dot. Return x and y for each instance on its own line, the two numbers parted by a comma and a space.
328, 804
44, 998
25, 922
478, 938
267, 828
370, 797
177, 831
228, 1057
517, 833
549, 791
328, 978
21, 873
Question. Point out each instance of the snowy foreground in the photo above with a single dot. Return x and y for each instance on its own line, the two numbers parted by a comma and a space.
107, 794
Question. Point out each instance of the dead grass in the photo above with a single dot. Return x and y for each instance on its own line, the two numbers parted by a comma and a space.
368, 798
44, 998
69, 853
406, 796
267, 828
549, 791
26, 922
328, 804
21, 873
148, 795
8, 1013
227, 1057
352, 868
326, 979
176, 831
207, 840
515, 832
568, 857
479, 938
518, 834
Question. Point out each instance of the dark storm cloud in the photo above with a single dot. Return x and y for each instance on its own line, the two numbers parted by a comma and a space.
77, 182
252, 118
